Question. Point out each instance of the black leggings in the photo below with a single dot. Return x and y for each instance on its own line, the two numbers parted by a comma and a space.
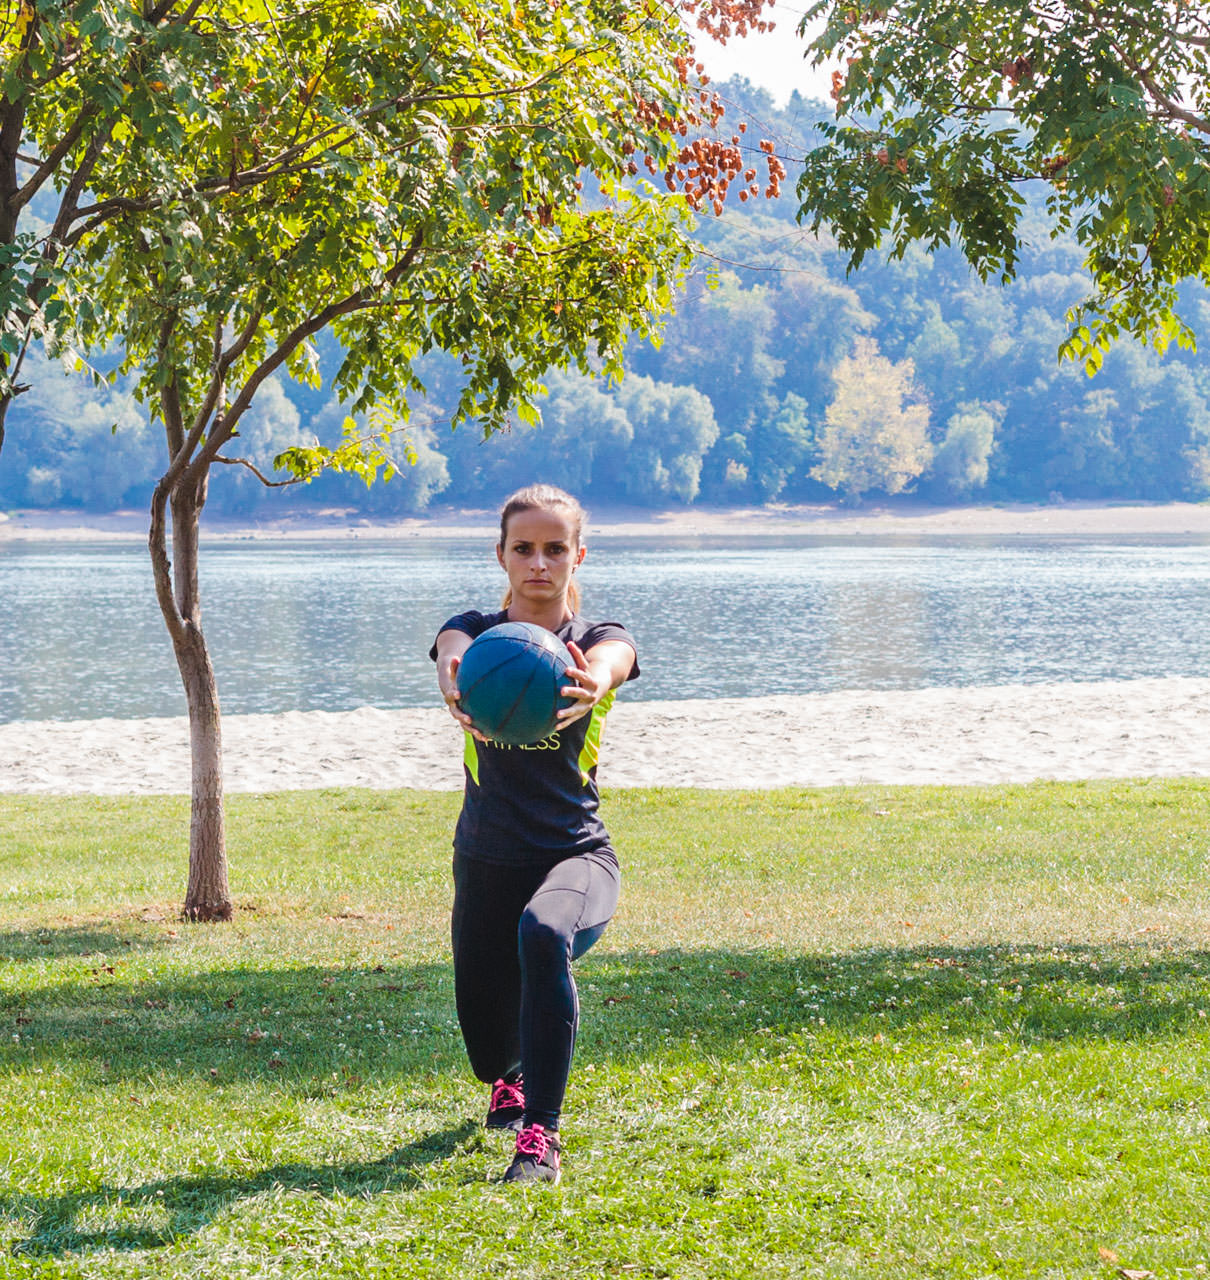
516, 930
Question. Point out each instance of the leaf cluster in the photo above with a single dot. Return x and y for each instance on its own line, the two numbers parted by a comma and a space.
947, 111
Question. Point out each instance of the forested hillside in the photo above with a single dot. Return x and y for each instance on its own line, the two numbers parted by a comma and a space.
778, 379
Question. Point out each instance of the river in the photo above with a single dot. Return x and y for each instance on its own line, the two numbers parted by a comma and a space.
338, 625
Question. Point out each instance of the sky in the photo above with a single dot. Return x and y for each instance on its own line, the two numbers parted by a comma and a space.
773, 60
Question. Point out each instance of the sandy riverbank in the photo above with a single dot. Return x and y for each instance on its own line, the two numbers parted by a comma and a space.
982, 735
1071, 519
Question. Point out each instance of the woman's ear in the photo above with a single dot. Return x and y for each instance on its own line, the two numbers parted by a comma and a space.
500, 554
583, 551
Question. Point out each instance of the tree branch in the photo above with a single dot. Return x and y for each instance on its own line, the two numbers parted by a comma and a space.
48, 166
12, 128
170, 407
260, 475
241, 344
162, 10
1172, 108
170, 396
220, 362
320, 320
71, 195
161, 562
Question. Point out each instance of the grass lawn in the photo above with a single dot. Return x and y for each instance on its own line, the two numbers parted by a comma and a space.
951, 1032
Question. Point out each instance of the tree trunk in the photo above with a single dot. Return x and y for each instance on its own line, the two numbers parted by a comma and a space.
12, 127
207, 895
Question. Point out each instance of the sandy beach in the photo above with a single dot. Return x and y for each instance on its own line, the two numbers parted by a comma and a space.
982, 735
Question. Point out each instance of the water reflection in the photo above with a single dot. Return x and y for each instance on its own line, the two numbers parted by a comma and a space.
338, 625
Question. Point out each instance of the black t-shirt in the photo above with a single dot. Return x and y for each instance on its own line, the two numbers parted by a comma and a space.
537, 803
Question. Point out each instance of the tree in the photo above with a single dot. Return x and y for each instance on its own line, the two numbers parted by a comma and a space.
815, 322
960, 460
948, 110
719, 341
81, 446
874, 436
581, 423
781, 442
673, 428
78, 81
409, 179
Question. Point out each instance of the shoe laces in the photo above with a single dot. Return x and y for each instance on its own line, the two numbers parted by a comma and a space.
506, 1094
534, 1141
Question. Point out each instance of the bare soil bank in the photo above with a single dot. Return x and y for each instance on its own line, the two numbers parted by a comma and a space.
1072, 519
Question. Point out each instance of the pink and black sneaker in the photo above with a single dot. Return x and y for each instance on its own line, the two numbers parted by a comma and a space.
506, 1105
537, 1156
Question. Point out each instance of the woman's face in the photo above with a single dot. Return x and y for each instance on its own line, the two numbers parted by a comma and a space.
539, 554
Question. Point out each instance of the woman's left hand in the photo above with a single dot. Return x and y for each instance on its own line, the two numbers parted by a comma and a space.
593, 682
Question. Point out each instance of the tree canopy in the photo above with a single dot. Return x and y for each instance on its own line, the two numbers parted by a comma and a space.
948, 111
410, 178
173, 122
875, 433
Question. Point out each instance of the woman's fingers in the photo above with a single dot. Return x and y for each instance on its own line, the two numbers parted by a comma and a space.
464, 721
452, 696
570, 714
577, 653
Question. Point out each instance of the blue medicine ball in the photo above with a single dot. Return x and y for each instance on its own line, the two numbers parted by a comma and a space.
509, 681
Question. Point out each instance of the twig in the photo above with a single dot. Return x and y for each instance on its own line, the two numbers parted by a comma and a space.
257, 472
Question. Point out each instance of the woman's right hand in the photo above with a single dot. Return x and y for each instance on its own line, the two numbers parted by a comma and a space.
451, 695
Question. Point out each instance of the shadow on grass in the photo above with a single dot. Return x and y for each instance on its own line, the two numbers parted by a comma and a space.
297, 1028
182, 1206
321, 1032
317, 1031
1030, 993
18, 945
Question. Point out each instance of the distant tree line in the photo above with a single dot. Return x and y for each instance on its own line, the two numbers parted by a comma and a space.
779, 379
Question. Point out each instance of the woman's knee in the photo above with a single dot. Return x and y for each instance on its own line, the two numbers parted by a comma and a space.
541, 941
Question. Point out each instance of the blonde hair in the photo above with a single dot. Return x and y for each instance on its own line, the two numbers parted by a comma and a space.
544, 497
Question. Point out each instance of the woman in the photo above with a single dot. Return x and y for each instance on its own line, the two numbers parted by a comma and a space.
535, 878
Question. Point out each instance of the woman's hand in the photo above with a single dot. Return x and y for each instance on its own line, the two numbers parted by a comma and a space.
593, 681
449, 691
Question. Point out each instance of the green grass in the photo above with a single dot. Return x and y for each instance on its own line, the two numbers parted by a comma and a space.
866, 1032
